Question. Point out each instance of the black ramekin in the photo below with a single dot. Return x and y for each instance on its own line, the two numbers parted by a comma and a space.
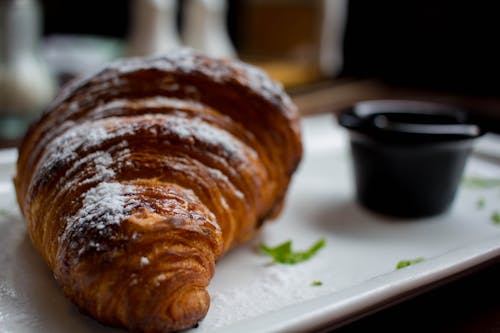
408, 156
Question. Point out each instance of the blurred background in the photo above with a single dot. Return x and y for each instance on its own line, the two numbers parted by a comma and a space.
327, 53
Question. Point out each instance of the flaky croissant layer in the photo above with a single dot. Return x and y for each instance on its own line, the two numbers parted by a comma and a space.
138, 178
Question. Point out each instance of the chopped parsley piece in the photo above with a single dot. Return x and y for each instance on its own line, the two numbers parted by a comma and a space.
316, 283
405, 263
4, 212
481, 203
480, 182
495, 217
283, 253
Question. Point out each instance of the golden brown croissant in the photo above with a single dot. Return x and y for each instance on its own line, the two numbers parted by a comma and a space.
137, 179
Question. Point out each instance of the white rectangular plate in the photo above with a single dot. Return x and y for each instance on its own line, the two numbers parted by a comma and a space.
356, 267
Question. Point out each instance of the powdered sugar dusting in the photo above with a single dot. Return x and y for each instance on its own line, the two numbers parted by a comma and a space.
143, 261
116, 106
189, 130
182, 59
216, 173
90, 134
96, 136
187, 61
272, 288
103, 206
259, 82
64, 147
211, 135
72, 149
182, 206
102, 164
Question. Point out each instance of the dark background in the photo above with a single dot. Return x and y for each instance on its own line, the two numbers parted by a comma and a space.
442, 45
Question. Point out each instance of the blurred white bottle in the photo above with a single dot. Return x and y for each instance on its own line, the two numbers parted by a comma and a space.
26, 85
332, 36
153, 27
205, 29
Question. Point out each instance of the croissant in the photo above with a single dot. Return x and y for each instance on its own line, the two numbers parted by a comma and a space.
138, 178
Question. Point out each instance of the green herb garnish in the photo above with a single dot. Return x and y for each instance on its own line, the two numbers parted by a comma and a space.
404, 263
480, 182
316, 283
481, 203
495, 217
283, 253
4, 212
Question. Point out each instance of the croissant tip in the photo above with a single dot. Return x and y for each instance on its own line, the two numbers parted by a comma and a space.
184, 312
190, 307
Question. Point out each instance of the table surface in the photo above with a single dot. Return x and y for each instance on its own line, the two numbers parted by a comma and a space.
469, 304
